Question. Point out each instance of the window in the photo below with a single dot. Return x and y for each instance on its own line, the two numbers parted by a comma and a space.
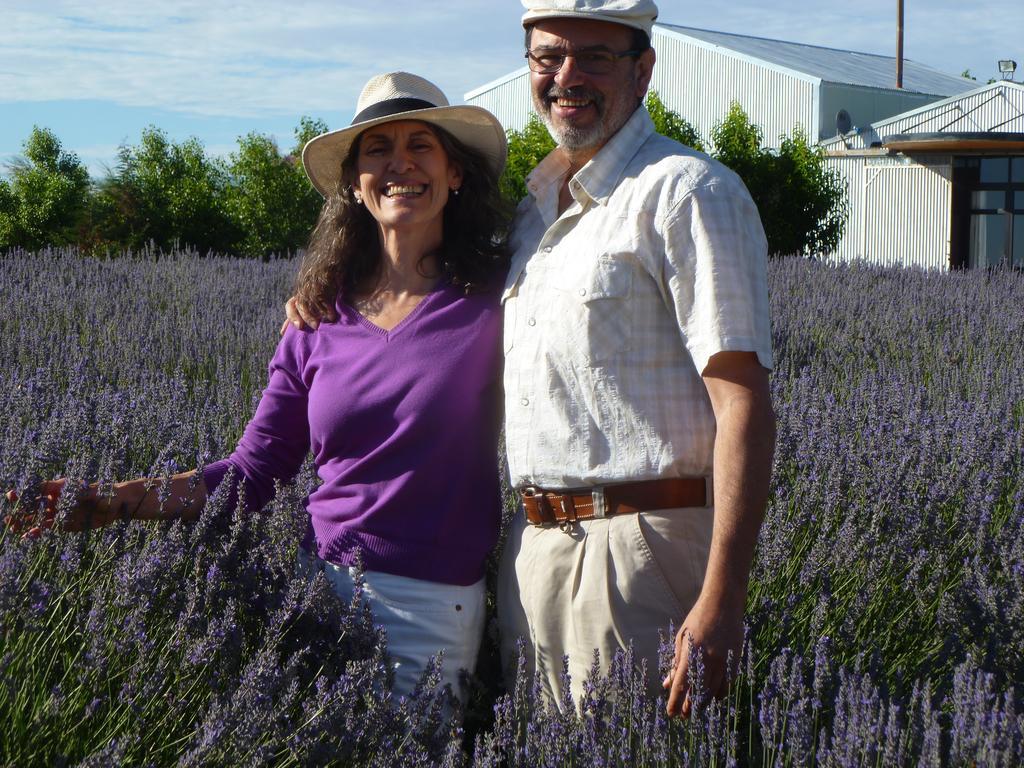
995, 170
1017, 258
988, 212
988, 240
988, 198
1017, 172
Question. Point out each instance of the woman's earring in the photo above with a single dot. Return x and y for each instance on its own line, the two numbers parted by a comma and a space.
455, 191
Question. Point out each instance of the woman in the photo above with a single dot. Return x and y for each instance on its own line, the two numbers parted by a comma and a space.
399, 397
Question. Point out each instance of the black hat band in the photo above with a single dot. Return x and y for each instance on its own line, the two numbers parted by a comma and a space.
391, 107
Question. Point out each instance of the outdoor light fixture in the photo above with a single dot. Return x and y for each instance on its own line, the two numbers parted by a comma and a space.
1007, 67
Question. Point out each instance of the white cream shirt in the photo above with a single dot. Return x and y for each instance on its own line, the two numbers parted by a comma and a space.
614, 308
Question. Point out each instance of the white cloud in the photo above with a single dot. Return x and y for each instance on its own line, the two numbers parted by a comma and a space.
223, 58
259, 58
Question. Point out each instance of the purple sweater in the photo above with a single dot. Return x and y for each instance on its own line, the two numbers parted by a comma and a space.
403, 425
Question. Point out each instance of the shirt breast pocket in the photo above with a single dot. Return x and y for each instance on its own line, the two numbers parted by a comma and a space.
597, 317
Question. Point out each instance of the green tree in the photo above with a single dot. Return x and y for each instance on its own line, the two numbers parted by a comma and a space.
803, 204
811, 201
165, 193
526, 148
44, 201
307, 129
269, 198
671, 124
738, 144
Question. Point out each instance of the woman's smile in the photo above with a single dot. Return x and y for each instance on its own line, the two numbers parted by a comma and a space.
404, 190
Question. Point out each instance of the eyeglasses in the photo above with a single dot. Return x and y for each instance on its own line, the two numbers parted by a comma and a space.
593, 62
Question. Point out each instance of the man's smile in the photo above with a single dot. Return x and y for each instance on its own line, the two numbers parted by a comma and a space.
569, 101
566, 102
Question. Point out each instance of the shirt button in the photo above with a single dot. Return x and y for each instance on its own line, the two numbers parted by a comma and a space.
532, 321
583, 291
547, 249
524, 401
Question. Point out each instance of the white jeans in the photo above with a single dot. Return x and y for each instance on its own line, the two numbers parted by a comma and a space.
420, 618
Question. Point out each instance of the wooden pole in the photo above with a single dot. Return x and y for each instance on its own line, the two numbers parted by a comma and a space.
899, 43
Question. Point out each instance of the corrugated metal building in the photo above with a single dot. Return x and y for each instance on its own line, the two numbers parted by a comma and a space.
779, 84
940, 186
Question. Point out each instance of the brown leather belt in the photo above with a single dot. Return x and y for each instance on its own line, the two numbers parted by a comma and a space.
545, 507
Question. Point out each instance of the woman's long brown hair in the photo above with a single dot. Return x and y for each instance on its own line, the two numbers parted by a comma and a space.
344, 247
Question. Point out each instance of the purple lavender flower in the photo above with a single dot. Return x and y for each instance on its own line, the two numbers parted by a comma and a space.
886, 608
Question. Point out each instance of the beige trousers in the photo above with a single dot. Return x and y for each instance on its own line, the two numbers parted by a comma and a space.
606, 583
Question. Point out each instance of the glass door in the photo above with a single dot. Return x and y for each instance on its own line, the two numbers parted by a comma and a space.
988, 212
1017, 229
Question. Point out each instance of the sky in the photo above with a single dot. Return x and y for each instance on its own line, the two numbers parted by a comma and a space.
97, 72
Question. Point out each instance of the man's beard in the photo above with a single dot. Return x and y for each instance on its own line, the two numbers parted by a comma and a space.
572, 137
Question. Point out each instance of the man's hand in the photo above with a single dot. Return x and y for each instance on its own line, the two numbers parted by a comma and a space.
716, 632
301, 316
744, 445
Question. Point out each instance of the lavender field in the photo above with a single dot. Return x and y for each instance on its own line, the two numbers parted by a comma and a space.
887, 606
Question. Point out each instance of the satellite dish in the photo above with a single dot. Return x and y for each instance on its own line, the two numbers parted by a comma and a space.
843, 122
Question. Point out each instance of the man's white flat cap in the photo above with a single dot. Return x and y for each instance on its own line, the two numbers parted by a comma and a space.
638, 14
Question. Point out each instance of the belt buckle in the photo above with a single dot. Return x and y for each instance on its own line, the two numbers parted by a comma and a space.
547, 511
544, 507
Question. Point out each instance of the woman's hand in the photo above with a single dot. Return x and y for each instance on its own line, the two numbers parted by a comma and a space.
90, 510
136, 499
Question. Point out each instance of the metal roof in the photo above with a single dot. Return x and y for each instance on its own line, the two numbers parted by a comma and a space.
994, 108
832, 64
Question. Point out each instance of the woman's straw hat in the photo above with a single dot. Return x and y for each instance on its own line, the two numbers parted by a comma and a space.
402, 96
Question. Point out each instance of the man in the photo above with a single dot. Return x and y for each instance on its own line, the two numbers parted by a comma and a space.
637, 351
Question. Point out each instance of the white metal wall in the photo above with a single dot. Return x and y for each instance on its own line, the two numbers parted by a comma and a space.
851, 171
699, 83
899, 210
508, 99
